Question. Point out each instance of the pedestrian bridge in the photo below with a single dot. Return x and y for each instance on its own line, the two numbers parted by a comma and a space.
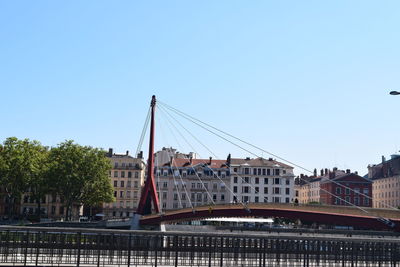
368, 218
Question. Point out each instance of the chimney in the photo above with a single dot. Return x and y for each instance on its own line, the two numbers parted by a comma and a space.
140, 155
190, 160
322, 172
315, 172
326, 171
228, 160
383, 159
348, 171
301, 176
331, 175
110, 152
270, 159
335, 169
210, 161
171, 160
127, 152
356, 172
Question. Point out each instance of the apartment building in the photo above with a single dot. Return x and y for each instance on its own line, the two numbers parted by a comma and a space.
386, 182
335, 187
127, 177
188, 182
261, 180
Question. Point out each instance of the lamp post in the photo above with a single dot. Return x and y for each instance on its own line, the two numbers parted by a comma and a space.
394, 93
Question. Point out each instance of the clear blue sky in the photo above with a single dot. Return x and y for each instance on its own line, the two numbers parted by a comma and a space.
307, 80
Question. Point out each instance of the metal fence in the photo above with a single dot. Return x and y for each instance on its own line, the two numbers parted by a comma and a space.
87, 247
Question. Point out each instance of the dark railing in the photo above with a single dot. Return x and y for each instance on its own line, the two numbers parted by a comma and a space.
82, 247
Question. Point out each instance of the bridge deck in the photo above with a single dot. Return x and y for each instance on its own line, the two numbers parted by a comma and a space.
318, 213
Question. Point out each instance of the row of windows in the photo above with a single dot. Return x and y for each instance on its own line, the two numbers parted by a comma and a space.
127, 195
122, 173
387, 194
355, 200
248, 180
177, 173
128, 184
347, 191
247, 199
259, 171
275, 190
199, 197
123, 164
194, 185
121, 204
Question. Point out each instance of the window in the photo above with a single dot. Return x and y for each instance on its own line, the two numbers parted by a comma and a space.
115, 193
165, 184
235, 170
199, 186
123, 174
129, 184
135, 184
115, 173
257, 180
265, 190
256, 189
183, 197
277, 199
128, 194
175, 196
259, 171
121, 193
255, 171
136, 175
122, 183
347, 200
129, 174
193, 185
366, 191
245, 199
287, 192
235, 189
222, 197
235, 180
214, 197
277, 181
246, 171
268, 171
115, 183
337, 201
287, 181
263, 172
366, 201
256, 200
215, 185
356, 201
116, 164
277, 190
265, 180
245, 189
347, 191
338, 190
287, 200
246, 180
164, 195
276, 171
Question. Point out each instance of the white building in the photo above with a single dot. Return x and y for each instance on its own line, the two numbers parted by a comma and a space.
261, 180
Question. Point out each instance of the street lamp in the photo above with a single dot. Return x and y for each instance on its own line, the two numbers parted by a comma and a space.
394, 93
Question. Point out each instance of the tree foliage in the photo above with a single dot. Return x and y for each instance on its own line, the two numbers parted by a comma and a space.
80, 174
22, 165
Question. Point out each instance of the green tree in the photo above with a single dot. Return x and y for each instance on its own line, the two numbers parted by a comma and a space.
21, 166
80, 175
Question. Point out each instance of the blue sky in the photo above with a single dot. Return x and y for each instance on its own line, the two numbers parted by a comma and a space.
307, 80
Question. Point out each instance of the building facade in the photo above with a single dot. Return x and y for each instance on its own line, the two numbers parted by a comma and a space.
261, 180
386, 182
188, 182
127, 177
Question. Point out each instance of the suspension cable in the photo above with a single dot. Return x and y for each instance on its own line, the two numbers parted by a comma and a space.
145, 126
199, 123
191, 165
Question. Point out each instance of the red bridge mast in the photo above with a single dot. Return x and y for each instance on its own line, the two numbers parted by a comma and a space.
149, 192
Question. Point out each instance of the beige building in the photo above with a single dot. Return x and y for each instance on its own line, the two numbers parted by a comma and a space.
127, 177
386, 182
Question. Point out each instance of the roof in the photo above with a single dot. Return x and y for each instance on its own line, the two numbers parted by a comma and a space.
186, 163
260, 162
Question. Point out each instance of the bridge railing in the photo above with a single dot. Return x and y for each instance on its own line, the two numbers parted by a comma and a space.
54, 246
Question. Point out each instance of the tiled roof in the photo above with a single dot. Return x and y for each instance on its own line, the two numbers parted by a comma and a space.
186, 163
260, 162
